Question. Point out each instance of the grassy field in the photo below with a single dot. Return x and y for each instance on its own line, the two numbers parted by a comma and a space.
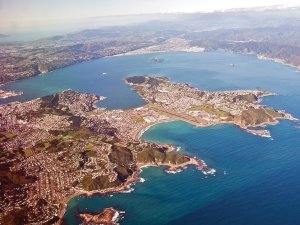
209, 109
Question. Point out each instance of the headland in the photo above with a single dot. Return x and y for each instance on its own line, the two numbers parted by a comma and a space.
62, 145
8, 94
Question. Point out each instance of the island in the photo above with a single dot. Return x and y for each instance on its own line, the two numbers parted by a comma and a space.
277, 38
108, 216
60, 146
157, 60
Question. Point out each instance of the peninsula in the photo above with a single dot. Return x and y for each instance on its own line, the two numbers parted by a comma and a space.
203, 108
108, 216
60, 146
8, 94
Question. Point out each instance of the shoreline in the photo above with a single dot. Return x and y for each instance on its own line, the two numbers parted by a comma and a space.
277, 60
258, 56
248, 129
9, 94
140, 133
133, 179
146, 52
106, 216
171, 169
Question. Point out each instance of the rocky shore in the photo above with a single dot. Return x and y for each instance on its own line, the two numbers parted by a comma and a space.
8, 94
60, 146
203, 108
108, 216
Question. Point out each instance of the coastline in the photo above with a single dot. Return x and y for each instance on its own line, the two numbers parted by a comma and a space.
134, 178
260, 132
277, 60
258, 56
137, 179
123, 187
171, 169
8, 94
145, 51
139, 133
106, 216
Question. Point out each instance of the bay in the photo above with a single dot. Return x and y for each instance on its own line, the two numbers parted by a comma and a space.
257, 179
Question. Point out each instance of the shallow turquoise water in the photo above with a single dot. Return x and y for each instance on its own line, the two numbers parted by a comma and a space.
257, 180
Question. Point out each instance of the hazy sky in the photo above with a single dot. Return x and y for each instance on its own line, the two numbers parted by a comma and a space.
22, 13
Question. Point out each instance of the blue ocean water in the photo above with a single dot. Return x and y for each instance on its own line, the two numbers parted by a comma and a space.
257, 180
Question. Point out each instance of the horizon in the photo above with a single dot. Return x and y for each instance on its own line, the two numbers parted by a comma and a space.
18, 17
92, 92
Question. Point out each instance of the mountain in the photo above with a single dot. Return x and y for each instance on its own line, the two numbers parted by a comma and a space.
269, 33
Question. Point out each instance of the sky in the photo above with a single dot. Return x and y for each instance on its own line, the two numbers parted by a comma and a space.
21, 14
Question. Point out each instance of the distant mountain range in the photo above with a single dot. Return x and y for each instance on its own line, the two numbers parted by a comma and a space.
269, 33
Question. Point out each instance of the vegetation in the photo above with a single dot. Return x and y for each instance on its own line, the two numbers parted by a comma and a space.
254, 116
28, 153
89, 154
15, 177
61, 141
159, 155
136, 79
80, 133
51, 145
123, 172
15, 217
101, 182
90, 147
248, 98
139, 119
5, 136
120, 155
273, 112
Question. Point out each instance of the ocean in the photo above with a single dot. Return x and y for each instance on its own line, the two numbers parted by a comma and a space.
257, 180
